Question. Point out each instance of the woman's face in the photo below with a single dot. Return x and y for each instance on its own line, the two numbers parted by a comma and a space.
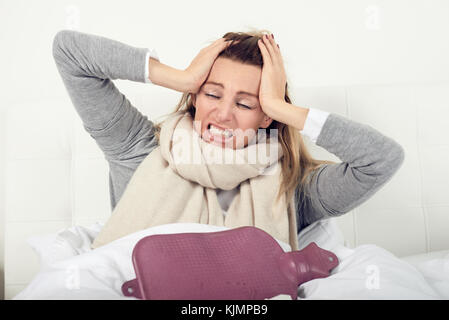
228, 99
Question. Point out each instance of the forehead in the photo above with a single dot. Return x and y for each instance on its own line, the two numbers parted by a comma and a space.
235, 76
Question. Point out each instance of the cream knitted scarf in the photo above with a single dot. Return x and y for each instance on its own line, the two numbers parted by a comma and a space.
176, 182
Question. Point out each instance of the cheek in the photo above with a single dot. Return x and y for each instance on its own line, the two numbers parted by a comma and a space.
247, 129
203, 107
202, 112
247, 120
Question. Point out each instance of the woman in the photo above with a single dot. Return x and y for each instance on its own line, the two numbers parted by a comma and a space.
233, 88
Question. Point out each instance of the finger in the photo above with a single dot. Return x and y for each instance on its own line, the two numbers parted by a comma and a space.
217, 42
223, 41
227, 43
269, 46
275, 52
265, 54
273, 42
221, 44
215, 47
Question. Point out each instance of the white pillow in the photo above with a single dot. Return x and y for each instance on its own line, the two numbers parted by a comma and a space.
64, 244
370, 272
325, 233
76, 240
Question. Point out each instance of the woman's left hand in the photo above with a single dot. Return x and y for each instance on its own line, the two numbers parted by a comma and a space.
273, 79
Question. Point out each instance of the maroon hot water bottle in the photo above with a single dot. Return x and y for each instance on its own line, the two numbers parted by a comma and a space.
244, 263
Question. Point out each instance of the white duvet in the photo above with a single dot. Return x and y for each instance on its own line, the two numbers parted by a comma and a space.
71, 270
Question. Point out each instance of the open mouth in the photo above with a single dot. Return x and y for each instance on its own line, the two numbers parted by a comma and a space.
227, 133
219, 135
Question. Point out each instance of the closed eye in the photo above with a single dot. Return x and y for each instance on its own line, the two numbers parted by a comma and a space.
239, 104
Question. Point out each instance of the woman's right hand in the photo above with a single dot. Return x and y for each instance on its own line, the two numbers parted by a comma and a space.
199, 68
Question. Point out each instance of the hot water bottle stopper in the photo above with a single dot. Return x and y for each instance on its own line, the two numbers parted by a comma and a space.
244, 263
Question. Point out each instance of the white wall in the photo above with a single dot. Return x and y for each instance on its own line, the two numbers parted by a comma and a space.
324, 42
2, 199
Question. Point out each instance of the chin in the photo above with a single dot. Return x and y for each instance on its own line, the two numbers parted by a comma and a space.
229, 144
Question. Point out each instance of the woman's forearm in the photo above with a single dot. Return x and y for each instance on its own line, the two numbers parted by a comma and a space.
289, 114
168, 77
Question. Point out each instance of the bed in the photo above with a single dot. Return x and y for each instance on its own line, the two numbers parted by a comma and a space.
55, 192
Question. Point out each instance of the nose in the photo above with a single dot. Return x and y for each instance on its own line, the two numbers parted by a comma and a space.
225, 111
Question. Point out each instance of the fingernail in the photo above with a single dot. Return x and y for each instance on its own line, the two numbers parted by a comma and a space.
272, 36
278, 46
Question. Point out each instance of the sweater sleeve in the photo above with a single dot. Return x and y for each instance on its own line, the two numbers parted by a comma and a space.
369, 160
87, 64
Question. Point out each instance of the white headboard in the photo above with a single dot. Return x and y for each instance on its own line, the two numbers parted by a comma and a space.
56, 176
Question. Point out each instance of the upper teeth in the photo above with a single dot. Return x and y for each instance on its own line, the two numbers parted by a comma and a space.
215, 130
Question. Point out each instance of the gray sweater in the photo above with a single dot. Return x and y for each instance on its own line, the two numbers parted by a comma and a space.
87, 63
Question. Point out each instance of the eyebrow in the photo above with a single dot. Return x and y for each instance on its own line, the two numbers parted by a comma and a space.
239, 92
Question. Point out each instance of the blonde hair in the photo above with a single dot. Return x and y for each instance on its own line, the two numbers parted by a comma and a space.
297, 163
